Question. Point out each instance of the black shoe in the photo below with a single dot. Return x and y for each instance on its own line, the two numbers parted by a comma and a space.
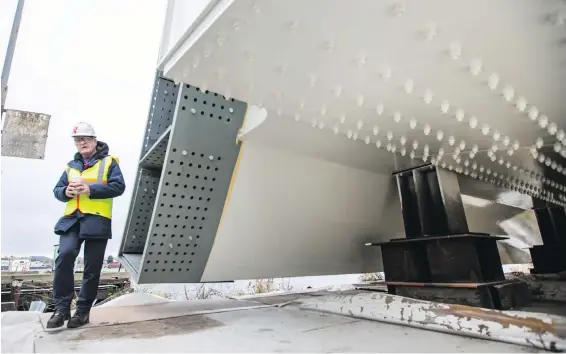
58, 319
79, 319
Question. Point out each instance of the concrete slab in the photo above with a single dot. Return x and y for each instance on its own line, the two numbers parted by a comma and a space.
107, 316
263, 330
134, 299
19, 331
138, 323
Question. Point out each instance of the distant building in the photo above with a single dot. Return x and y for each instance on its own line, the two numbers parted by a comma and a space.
19, 264
6, 263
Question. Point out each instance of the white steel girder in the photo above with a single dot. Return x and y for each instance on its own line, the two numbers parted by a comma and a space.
341, 94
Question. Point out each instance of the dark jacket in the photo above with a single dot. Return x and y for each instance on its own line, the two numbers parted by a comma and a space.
91, 226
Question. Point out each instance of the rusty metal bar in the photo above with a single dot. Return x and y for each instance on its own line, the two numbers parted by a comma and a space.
445, 285
541, 331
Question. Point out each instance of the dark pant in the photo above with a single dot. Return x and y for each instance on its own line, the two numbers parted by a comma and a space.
64, 280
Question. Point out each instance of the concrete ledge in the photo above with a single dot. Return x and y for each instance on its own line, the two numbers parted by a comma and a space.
111, 316
529, 329
19, 330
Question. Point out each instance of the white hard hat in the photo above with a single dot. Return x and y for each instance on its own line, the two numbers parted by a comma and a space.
83, 129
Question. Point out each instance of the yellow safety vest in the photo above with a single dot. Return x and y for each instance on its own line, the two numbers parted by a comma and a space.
98, 173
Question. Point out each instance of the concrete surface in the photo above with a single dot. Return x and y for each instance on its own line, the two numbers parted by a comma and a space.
19, 331
114, 315
133, 300
262, 330
130, 325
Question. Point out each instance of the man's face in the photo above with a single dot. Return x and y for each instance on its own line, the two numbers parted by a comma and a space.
85, 145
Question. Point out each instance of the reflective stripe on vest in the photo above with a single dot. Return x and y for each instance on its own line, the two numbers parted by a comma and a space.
96, 174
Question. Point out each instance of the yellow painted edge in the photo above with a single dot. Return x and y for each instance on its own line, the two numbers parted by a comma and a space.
231, 185
235, 171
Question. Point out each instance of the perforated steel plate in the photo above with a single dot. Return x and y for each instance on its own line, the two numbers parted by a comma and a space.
159, 119
161, 111
143, 201
200, 159
155, 157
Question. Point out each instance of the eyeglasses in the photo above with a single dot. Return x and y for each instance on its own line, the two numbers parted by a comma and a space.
83, 139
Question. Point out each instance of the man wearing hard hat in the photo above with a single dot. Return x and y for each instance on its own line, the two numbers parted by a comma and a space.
87, 186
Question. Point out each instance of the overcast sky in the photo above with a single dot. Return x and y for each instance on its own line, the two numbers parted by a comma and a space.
91, 60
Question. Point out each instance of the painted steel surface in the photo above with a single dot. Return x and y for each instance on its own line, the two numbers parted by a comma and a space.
531, 329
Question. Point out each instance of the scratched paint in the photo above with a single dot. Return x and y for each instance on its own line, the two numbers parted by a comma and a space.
530, 329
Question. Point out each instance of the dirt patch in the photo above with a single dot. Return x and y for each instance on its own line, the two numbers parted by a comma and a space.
146, 329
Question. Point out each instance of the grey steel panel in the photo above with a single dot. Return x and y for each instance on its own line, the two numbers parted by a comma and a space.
131, 211
142, 208
164, 95
161, 112
132, 263
196, 175
155, 157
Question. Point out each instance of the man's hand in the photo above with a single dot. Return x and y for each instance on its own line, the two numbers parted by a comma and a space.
70, 192
78, 188
83, 188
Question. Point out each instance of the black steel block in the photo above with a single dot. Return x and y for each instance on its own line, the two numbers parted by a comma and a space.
431, 202
443, 259
551, 256
440, 260
512, 295
409, 206
460, 296
404, 262
548, 259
